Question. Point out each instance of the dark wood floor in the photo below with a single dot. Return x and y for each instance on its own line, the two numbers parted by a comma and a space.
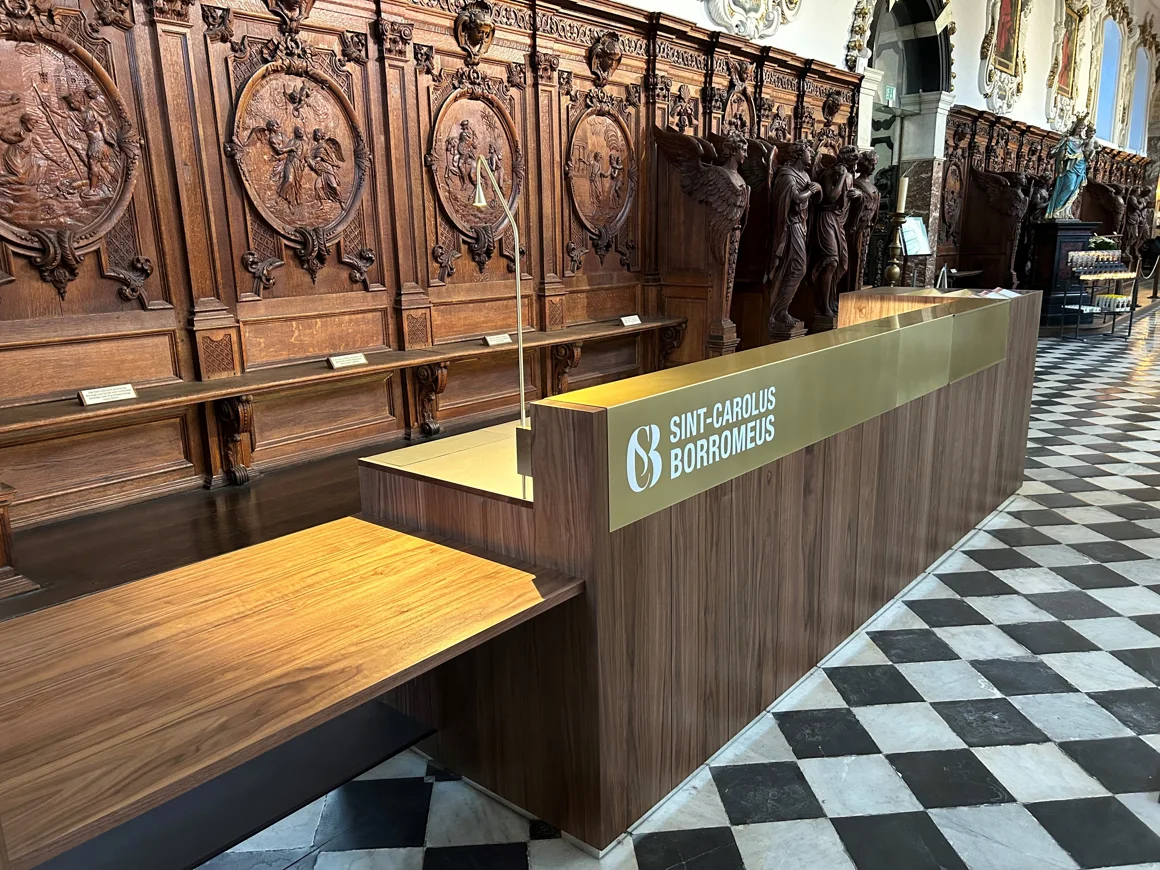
81, 556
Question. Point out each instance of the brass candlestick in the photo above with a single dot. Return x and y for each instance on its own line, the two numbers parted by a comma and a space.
893, 273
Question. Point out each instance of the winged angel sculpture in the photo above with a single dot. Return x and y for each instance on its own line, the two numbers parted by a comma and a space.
712, 177
1008, 194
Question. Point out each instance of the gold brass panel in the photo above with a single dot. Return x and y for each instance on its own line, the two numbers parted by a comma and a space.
678, 432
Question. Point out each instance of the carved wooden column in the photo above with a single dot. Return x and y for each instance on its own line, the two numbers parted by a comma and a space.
11, 582
429, 381
186, 93
235, 418
544, 69
565, 357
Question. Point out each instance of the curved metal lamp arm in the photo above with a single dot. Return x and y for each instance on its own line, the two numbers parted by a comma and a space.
481, 202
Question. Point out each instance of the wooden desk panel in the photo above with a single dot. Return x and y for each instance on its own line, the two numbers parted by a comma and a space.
111, 704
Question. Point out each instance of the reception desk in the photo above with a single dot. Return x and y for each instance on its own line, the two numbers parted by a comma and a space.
733, 521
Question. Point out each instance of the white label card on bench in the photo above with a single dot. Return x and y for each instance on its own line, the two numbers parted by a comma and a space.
630, 320
100, 395
497, 340
344, 360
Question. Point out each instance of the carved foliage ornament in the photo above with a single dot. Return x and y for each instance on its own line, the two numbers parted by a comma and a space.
752, 19
69, 154
1004, 62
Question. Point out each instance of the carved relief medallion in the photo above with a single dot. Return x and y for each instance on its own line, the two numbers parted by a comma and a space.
473, 124
68, 153
299, 150
601, 172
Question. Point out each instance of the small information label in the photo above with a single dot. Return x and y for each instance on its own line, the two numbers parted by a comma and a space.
497, 340
345, 360
100, 395
630, 320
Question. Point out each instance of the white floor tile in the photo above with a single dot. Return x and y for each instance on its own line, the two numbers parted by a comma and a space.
696, 805
858, 785
1115, 633
1070, 716
1094, 671
1128, 600
371, 859
761, 742
947, 681
973, 642
808, 844
1038, 772
1001, 837
462, 816
907, 728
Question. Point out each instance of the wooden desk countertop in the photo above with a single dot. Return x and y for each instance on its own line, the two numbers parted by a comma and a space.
112, 704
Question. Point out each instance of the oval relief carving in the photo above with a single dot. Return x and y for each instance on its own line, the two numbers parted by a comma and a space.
299, 151
467, 127
601, 173
68, 153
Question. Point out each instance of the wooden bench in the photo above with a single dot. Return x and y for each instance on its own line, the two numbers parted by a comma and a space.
163, 721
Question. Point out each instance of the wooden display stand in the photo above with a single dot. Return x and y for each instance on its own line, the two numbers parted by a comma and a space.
698, 615
1050, 273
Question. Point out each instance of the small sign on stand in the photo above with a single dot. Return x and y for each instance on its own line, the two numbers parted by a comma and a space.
497, 340
101, 395
630, 320
346, 360
915, 242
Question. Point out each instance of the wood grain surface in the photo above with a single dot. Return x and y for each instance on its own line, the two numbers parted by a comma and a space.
697, 617
111, 704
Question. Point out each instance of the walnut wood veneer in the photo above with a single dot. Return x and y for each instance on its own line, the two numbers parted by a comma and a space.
112, 704
696, 618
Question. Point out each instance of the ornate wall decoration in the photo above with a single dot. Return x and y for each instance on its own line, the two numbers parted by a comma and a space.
299, 150
70, 154
1066, 50
753, 19
684, 110
602, 175
474, 122
740, 110
604, 56
396, 36
1003, 60
301, 155
474, 29
858, 45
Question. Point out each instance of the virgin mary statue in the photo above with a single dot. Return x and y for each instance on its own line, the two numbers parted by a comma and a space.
1071, 165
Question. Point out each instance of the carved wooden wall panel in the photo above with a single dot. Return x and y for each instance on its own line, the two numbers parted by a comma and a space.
194, 192
996, 144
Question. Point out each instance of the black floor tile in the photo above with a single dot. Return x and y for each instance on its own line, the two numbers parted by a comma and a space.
974, 584
1029, 537
943, 612
1083, 472
989, 722
776, 792
541, 830
1134, 511
1147, 479
1109, 551
1125, 530
495, 856
906, 841
1092, 576
1139, 709
279, 859
1049, 637
825, 733
1058, 500
1043, 517
912, 645
1122, 765
1074, 484
1150, 621
1098, 832
375, 814
435, 773
695, 849
1145, 662
949, 778
864, 685
1022, 677
1071, 605
1144, 494
1000, 559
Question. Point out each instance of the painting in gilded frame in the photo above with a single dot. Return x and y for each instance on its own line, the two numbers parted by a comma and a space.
1007, 36
1066, 81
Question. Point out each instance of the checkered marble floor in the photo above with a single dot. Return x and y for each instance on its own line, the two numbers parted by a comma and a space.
1003, 714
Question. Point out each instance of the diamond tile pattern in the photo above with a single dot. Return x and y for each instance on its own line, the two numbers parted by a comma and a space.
1004, 715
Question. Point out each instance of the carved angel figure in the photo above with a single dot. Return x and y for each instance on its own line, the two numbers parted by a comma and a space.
838, 191
720, 187
1111, 199
325, 156
289, 166
1008, 193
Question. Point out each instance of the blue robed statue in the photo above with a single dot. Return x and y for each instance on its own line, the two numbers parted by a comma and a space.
1071, 166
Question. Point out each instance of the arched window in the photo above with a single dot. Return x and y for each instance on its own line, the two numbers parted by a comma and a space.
1109, 81
1139, 101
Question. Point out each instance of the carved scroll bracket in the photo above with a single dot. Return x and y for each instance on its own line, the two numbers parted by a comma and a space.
670, 339
565, 357
430, 381
235, 417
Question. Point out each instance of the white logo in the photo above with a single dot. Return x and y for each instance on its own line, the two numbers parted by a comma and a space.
643, 460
